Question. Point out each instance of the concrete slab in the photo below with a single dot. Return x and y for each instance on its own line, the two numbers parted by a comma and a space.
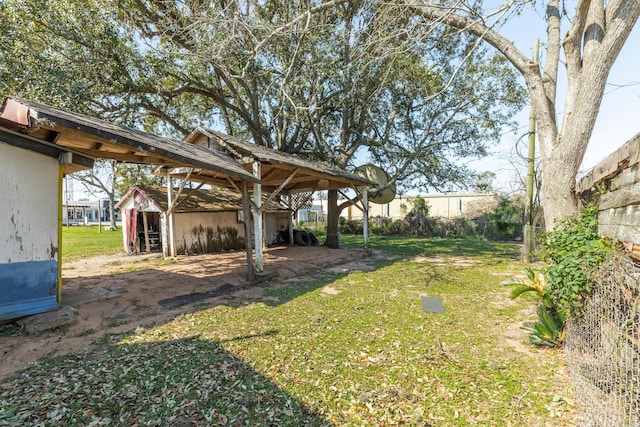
75, 297
179, 300
50, 320
68, 314
432, 305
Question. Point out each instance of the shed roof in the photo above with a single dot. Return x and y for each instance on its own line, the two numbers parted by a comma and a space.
277, 167
89, 137
213, 200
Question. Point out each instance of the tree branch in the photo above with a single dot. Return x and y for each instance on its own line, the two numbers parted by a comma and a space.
528, 68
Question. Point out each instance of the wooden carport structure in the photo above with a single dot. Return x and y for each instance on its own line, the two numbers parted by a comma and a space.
206, 156
34, 135
278, 174
80, 139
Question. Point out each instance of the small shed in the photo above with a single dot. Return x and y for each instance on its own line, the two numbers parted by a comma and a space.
283, 175
204, 221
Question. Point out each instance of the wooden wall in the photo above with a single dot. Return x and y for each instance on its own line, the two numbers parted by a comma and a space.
614, 185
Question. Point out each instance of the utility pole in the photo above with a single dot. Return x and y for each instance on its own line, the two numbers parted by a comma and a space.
529, 229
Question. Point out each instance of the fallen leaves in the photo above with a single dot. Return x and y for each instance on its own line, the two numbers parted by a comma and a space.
366, 355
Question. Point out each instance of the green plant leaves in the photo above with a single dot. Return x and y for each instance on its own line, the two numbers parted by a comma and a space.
574, 250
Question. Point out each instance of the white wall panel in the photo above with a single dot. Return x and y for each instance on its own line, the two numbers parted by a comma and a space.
28, 206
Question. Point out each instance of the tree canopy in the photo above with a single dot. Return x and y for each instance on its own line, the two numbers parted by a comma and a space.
346, 82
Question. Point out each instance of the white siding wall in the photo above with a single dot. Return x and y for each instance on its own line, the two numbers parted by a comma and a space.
29, 252
186, 222
444, 206
28, 206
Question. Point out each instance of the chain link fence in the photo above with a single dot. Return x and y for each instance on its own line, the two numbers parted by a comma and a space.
535, 251
603, 349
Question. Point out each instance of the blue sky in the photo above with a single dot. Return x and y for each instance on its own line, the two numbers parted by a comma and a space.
619, 117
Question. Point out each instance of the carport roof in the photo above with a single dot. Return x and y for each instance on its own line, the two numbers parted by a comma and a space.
211, 200
278, 168
89, 137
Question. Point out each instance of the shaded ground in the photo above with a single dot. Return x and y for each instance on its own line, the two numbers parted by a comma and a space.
145, 289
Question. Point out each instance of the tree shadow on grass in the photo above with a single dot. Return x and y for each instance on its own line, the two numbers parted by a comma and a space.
156, 296
184, 382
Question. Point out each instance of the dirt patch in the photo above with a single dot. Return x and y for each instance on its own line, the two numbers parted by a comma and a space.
143, 281
447, 260
516, 337
330, 290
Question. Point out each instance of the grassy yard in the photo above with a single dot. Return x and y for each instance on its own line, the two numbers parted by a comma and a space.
86, 241
351, 349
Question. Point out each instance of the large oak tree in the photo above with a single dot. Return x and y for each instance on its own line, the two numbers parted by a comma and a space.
344, 83
597, 31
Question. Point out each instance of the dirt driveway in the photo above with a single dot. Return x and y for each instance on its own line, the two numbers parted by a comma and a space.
116, 294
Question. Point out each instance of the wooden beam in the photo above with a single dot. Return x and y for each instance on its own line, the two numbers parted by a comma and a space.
189, 194
145, 224
80, 160
175, 203
276, 172
78, 140
220, 181
279, 189
129, 158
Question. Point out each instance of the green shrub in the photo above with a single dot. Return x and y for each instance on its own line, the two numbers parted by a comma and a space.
504, 223
350, 226
549, 330
574, 250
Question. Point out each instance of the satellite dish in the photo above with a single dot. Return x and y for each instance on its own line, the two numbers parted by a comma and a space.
380, 177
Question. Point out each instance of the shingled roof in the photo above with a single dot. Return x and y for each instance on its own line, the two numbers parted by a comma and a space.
277, 167
212, 200
95, 138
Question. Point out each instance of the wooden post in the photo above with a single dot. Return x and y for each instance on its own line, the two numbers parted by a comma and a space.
257, 216
293, 212
172, 246
247, 231
529, 229
145, 224
164, 234
365, 216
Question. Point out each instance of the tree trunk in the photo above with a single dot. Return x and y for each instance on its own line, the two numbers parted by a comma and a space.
558, 188
591, 46
112, 213
332, 220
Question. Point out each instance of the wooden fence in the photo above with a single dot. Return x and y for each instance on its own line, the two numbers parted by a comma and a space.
602, 346
614, 185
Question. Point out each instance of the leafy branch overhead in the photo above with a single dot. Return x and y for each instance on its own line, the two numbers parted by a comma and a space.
331, 81
411, 86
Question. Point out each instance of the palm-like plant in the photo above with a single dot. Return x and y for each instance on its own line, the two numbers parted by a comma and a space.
549, 329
